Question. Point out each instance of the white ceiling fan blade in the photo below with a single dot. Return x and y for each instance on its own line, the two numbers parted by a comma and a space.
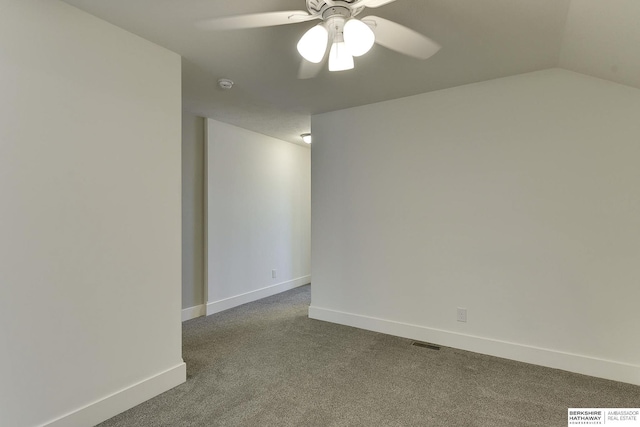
373, 3
256, 20
400, 38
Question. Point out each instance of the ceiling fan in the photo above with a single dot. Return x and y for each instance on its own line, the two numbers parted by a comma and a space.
347, 35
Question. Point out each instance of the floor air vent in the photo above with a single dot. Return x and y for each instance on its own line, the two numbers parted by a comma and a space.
426, 345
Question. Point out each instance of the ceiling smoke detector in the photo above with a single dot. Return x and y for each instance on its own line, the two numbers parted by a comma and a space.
225, 84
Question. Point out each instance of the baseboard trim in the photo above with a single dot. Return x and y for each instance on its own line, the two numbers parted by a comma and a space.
607, 369
193, 312
234, 301
109, 406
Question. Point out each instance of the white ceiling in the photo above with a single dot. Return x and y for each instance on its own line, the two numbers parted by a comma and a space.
481, 40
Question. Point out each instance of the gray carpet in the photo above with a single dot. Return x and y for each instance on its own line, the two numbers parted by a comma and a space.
267, 364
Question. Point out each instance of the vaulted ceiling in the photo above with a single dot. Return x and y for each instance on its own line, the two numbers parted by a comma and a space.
481, 40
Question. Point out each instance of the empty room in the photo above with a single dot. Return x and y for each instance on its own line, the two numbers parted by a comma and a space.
319, 213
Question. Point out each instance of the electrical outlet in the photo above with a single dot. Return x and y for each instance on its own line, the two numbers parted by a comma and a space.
274, 274
462, 314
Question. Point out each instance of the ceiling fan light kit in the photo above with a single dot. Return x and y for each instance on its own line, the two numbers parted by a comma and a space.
340, 58
358, 37
313, 44
347, 35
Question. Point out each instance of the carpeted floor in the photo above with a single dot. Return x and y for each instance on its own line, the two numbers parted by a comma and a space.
267, 364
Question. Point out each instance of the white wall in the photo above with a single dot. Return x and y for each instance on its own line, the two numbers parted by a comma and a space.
193, 230
601, 39
515, 198
89, 217
258, 215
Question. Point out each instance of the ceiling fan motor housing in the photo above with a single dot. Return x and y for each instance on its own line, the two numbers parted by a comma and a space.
335, 21
329, 8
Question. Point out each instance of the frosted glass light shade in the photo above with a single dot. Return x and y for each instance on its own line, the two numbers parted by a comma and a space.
340, 58
313, 44
358, 37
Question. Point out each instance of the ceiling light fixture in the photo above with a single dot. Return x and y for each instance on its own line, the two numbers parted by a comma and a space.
358, 37
340, 58
313, 44
349, 37
306, 137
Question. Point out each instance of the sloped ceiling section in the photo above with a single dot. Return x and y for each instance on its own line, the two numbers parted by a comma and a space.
602, 39
481, 40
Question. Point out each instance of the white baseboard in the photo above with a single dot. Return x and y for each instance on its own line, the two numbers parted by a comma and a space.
193, 312
580, 364
109, 406
234, 301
